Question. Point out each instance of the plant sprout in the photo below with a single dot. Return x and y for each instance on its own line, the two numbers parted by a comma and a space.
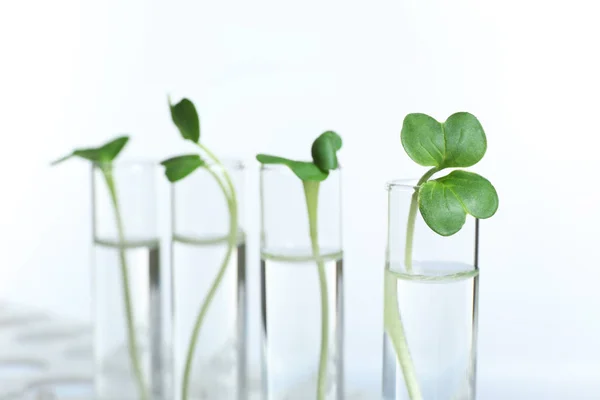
185, 117
444, 202
324, 154
103, 157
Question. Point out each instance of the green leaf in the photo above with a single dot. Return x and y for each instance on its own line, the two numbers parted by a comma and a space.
304, 170
458, 142
465, 140
103, 154
185, 117
324, 150
269, 159
445, 202
177, 168
423, 139
440, 209
308, 171
335, 139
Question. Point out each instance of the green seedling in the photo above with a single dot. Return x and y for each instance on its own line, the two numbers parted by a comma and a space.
102, 157
185, 117
324, 154
444, 202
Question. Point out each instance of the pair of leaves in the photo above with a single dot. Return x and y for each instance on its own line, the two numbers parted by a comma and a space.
458, 142
186, 119
324, 153
101, 155
305, 170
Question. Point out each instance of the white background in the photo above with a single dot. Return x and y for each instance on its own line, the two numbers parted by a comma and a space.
270, 75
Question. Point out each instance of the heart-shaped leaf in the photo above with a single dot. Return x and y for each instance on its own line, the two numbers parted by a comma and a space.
179, 167
423, 139
458, 142
445, 202
185, 117
304, 170
103, 154
324, 150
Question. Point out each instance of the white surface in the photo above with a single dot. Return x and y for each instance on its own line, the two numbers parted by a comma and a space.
37, 349
271, 75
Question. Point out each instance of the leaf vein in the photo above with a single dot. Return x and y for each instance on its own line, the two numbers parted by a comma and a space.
459, 200
445, 143
460, 138
446, 198
436, 149
428, 152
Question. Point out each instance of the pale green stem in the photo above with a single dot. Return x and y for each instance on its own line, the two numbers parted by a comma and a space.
262, 210
395, 330
392, 318
131, 338
230, 197
412, 217
225, 174
311, 192
410, 230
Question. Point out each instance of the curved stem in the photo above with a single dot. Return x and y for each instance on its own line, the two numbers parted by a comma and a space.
395, 330
225, 174
311, 192
131, 339
410, 230
232, 242
392, 318
412, 217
